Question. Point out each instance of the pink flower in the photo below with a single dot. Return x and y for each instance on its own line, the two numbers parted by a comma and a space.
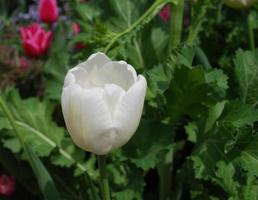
76, 28
7, 185
165, 13
48, 11
35, 40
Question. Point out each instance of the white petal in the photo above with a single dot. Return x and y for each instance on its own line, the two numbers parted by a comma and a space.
71, 108
95, 61
128, 113
118, 73
96, 122
113, 95
69, 79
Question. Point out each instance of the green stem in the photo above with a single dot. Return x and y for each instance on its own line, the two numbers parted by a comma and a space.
155, 8
176, 23
165, 170
250, 22
103, 178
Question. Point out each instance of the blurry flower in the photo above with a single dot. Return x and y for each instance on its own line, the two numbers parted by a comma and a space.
23, 63
35, 40
102, 102
7, 185
76, 29
48, 10
240, 4
33, 12
165, 13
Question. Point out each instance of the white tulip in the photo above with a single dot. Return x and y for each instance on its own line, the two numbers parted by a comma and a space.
240, 4
102, 102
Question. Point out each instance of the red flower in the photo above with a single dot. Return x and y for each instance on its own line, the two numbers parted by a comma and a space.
165, 13
48, 11
35, 40
7, 185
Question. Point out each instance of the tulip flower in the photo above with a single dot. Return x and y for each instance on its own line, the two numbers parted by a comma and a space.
240, 4
7, 185
48, 11
35, 40
165, 13
102, 102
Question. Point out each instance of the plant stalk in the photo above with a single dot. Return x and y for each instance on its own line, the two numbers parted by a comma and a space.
165, 170
103, 178
250, 21
176, 23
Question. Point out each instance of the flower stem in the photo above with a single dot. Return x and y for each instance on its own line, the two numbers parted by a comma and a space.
103, 178
177, 14
250, 22
165, 170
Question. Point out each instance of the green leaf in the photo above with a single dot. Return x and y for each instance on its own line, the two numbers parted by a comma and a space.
239, 115
227, 153
159, 41
13, 144
188, 93
246, 70
192, 130
218, 80
214, 113
46, 183
147, 155
158, 82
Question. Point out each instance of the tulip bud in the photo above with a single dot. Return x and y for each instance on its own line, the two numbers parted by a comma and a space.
7, 185
240, 4
35, 40
48, 10
102, 102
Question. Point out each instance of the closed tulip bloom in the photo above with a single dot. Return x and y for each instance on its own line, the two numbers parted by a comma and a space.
102, 102
240, 4
48, 11
35, 40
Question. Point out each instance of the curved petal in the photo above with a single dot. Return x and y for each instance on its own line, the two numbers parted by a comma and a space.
95, 62
69, 79
128, 113
96, 121
112, 97
70, 101
119, 73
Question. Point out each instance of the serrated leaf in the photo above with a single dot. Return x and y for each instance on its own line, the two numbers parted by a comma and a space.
239, 115
188, 93
218, 80
246, 70
147, 155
